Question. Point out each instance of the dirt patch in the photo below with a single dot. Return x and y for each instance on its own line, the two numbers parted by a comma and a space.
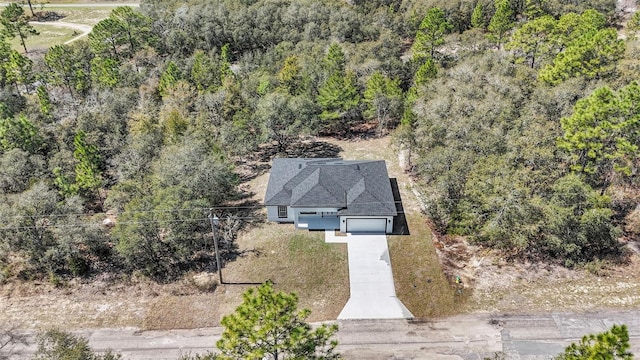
501, 286
37, 305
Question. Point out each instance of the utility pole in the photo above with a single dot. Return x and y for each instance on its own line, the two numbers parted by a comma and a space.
214, 223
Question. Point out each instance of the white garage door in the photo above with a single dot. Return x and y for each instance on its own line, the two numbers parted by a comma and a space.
367, 225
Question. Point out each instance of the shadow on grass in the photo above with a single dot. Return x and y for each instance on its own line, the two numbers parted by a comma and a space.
241, 283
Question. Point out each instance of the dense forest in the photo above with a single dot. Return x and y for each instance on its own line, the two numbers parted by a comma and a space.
521, 118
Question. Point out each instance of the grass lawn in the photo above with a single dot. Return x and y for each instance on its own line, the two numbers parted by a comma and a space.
420, 282
49, 36
296, 261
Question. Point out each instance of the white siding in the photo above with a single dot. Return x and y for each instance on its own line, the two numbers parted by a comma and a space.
272, 214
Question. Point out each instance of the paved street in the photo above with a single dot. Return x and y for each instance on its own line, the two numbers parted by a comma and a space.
539, 336
520, 337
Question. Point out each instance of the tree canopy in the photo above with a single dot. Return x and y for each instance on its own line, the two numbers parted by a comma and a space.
611, 344
156, 117
602, 133
16, 23
431, 33
268, 324
60, 345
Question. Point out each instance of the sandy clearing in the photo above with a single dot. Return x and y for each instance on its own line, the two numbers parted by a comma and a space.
84, 29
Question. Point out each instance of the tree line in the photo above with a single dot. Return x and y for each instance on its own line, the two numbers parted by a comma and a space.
526, 142
500, 103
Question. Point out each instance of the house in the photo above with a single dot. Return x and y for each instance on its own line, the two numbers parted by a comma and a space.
324, 194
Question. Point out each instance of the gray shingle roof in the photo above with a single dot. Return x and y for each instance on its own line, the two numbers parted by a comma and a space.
356, 187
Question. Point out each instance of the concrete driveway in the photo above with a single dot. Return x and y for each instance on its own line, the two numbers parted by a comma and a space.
373, 293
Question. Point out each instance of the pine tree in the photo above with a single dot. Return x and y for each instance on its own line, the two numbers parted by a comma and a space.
612, 344
169, 78
335, 60
602, 133
290, 76
535, 9
477, 17
383, 98
268, 325
88, 174
18, 69
338, 98
431, 33
15, 22
205, 72
18, 132
501, 22
532, 40
44, 101
426, 72
225, 63
105, 71
593, 55
633, 25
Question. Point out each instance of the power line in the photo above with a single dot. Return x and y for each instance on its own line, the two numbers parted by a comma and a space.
133, 212
89, 224
203, 209
221, 209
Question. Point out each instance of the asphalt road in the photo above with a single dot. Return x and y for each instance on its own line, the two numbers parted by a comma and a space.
476, 336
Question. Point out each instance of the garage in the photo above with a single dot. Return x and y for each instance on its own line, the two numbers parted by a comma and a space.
369, 225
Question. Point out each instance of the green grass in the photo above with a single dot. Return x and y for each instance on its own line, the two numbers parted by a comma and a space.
296, 261
421, 284
49, 35
318, 261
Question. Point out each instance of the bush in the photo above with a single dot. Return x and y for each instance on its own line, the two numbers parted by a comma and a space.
60, 345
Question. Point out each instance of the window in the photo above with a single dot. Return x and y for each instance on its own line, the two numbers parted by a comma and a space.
308, 213
282, 212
